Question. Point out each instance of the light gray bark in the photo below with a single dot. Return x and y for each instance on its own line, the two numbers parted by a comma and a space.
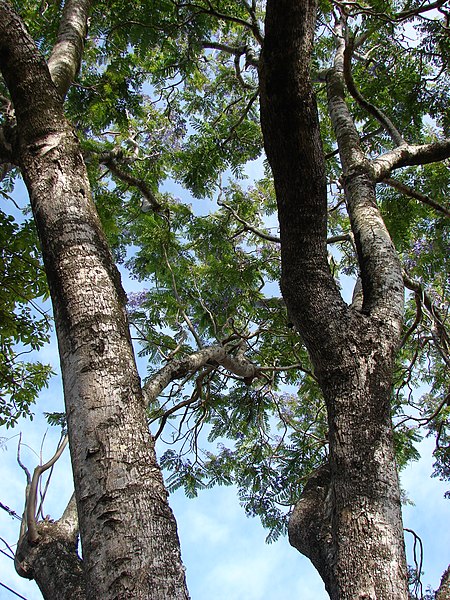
65, 58
408, 155
175, 369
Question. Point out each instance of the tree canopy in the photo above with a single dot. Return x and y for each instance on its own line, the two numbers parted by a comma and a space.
168, 92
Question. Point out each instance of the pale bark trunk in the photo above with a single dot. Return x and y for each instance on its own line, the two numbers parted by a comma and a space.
128, 532
349, 520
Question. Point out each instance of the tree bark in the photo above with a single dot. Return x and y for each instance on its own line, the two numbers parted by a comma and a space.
348, 520
443, 593
54, 562
128, 532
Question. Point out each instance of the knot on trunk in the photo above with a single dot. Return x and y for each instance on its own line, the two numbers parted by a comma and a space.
309, 526
52, 561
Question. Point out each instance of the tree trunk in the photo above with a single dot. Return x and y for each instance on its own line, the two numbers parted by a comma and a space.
348, 520
128, 532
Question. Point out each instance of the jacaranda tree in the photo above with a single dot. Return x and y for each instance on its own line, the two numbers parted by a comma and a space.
303, 400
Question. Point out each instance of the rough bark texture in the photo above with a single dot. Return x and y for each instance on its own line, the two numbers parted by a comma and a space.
348, 520
53, 562
65, 59
443, 593
128, 532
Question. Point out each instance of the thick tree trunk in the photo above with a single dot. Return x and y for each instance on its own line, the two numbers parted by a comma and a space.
348, 520
128, 532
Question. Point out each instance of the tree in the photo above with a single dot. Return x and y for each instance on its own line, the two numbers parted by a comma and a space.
207, 314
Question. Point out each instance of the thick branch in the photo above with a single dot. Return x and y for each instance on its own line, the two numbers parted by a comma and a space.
293, 147
310, 523
406, 156
378, 262
238, 365
53, 561
238, 51
65, 58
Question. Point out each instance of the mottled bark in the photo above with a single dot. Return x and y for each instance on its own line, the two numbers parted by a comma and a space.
351, 526
53, 561
443, 593
213, 355
128, 532
310, 524
65, 58
409, 155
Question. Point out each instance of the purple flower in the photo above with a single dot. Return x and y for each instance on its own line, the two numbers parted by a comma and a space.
136, 299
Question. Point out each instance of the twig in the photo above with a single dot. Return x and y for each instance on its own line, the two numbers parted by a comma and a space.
379, 115
180, 303
411, 192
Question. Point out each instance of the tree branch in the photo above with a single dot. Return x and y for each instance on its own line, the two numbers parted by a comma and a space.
250, 58
210, 10
363, 102
65, 59
176, 369
345, 237
310, 523
54, 562
110, 160
33, 535
378, 261
412, 12
185, 316
435, 313
289, 121
411, 192
248, 227
409, 155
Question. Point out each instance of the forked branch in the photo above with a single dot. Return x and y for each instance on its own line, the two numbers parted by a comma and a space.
33, 535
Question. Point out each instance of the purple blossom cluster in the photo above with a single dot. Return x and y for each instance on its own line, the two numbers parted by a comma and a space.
420, 246
136, 299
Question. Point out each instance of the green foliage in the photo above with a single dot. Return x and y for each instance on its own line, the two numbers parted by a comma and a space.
23, 327
170, 92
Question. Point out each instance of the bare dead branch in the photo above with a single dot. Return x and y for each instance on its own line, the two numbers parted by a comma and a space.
33, 535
